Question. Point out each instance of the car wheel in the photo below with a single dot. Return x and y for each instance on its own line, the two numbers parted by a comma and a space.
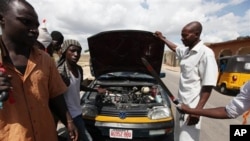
223, 88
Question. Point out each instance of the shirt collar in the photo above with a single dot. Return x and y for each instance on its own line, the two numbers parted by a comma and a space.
198, 46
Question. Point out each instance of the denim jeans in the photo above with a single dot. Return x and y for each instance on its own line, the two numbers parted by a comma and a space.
83, 134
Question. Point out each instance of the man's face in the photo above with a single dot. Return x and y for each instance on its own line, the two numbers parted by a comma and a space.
20, 24
73, 54
189, 38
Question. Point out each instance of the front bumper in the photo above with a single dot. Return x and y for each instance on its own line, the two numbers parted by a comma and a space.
139, 130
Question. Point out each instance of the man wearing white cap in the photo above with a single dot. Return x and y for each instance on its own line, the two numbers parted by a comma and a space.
45, 38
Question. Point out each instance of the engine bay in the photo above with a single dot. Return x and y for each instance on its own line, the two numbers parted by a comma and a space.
117, 95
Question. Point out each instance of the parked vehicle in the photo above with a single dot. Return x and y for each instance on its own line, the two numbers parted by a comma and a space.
135, 107
234, 72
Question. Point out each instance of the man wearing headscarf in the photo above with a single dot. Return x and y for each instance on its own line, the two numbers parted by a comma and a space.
72, 75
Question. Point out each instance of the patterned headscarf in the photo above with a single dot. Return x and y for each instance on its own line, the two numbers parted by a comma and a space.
67, 43
61, 64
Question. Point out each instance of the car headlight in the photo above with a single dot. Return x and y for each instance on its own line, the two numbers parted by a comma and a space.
89, 110
159, 112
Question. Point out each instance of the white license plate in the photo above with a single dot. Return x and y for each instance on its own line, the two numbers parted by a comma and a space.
120, 133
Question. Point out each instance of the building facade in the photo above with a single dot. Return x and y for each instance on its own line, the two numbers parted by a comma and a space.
240, 46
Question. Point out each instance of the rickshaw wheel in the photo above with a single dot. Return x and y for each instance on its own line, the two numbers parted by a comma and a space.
223, 88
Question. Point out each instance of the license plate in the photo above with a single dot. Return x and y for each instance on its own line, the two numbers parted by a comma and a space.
120, 133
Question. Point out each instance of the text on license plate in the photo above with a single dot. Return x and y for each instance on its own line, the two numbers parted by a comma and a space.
120, 133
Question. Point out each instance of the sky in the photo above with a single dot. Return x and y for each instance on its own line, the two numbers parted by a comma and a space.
222, 20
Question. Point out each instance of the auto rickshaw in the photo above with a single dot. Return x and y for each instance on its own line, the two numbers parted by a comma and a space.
234, 71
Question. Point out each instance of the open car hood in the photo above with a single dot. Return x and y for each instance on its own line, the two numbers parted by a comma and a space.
122, 50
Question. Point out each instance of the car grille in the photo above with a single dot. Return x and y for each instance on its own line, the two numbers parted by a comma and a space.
121, 113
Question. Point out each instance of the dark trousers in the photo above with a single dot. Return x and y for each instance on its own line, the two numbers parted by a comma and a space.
83, 133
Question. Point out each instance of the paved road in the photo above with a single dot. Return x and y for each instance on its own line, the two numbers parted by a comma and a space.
212, 129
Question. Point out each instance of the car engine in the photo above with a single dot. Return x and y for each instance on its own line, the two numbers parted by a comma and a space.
131, 95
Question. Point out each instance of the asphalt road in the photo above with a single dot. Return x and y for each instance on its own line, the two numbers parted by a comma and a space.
211, 129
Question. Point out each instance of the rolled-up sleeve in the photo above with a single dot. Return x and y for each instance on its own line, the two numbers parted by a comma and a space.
241, 103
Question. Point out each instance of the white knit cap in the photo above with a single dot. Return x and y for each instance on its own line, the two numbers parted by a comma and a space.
44, 36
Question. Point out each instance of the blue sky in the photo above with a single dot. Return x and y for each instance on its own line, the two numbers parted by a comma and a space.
222, 20
238, 9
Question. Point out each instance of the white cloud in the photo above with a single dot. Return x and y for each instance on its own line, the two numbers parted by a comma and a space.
80, 19
235, 2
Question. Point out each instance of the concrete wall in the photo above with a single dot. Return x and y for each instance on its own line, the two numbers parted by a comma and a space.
170, 59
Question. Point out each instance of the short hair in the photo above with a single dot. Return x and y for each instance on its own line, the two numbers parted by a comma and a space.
4, 5
56, 35
195, 26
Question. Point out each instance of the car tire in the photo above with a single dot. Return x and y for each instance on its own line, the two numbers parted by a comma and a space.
223, 88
